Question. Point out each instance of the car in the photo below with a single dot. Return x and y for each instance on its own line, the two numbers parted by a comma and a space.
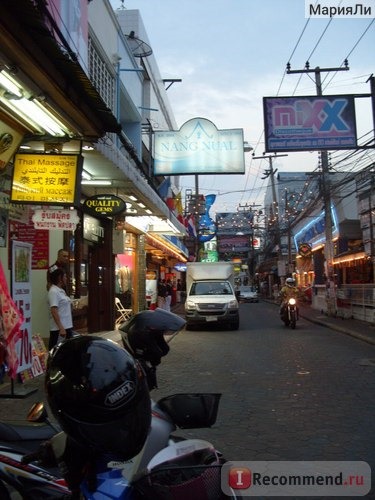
248, 294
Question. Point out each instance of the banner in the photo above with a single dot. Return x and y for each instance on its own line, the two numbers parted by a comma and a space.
21, 345
10, 323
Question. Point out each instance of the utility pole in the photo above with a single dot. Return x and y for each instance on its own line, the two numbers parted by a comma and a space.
288, 217
249, 208
328, 247
271, 173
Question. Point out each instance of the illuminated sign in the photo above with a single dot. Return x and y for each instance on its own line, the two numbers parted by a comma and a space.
105, 205
199, 148
309, 123
313, 233
180, 266
304, 249
46, 179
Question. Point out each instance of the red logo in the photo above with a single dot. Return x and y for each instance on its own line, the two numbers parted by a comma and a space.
239, 478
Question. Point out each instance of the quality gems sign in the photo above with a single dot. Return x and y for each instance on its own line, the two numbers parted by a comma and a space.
46, 179
105, 205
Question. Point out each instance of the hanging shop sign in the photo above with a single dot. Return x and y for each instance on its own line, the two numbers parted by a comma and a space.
304, 249
65, 220
105, 205
181, 267
199, 148
46, 179
307, 123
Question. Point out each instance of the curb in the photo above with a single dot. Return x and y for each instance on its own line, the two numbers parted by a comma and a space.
341, 329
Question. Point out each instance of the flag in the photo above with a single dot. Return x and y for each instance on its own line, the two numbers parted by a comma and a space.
178, 205
171, 202
164, 189
192, 230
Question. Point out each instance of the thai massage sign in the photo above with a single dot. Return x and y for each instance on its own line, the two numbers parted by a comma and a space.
46, 179
309, 123
105, 205
199, 148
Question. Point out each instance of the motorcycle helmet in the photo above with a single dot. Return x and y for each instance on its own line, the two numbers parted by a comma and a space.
144, 333
98, 393
290, 282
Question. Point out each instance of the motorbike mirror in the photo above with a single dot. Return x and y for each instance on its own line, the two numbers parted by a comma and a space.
37, 413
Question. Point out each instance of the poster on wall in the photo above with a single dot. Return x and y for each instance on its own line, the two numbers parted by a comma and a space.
38, 238
21, 293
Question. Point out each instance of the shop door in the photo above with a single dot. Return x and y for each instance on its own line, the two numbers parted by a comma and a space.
100, 289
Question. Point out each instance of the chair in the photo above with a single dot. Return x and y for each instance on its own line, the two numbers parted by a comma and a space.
121, 313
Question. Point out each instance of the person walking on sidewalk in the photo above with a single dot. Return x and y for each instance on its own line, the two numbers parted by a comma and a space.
60, 307
162, 292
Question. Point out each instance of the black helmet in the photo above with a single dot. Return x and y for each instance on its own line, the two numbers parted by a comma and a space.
98, 393
145, 331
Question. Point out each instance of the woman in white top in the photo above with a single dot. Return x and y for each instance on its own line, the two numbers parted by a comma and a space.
60, 307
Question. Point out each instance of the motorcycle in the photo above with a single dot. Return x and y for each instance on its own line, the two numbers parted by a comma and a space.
29, 475
289, 313
35, 476
28, 435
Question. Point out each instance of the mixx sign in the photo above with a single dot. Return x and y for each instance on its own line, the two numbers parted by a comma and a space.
309, 123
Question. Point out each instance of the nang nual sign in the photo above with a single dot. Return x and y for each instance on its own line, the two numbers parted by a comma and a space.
306, 122
199, 147
196, 146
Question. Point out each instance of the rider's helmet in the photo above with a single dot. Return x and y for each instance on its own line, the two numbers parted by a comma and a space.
290, 282
144, 333
98, 393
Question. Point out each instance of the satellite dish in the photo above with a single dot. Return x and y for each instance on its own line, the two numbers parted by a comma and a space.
138, 47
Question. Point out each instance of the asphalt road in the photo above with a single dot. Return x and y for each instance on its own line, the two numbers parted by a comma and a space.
304, 394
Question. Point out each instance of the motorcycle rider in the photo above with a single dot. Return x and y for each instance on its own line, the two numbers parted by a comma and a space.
288, 291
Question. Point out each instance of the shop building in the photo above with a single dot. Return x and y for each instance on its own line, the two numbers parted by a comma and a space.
81, 69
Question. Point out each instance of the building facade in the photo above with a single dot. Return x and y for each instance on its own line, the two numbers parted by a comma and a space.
77, 62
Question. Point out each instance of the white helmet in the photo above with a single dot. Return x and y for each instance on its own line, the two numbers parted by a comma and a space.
290, 281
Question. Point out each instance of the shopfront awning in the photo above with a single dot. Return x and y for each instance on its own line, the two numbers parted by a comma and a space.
29, 48
168, 246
